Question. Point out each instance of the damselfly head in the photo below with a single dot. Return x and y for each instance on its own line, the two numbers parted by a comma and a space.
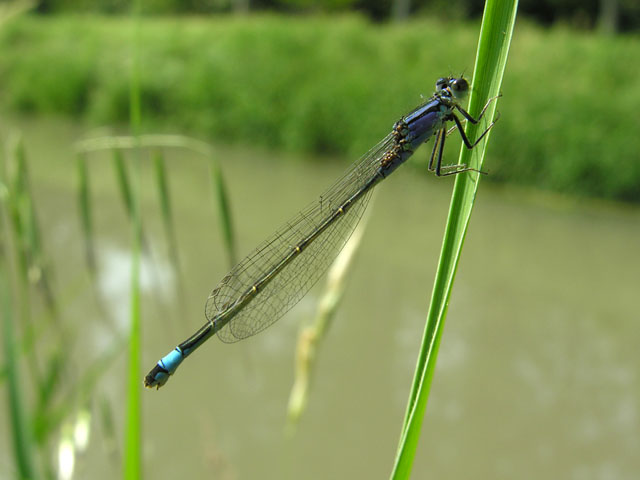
457, 88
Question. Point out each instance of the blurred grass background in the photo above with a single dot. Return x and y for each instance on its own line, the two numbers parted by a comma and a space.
569, 124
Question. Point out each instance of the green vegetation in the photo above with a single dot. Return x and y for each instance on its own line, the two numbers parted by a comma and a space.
49, 394
607, 15
335, 85
37, 360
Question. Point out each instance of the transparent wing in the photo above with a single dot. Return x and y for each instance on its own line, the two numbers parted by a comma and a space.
305, 269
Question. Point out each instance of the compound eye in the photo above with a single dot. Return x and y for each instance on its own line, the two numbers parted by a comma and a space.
459, 85
442, 83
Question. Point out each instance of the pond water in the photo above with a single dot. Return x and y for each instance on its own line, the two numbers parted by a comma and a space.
539, 368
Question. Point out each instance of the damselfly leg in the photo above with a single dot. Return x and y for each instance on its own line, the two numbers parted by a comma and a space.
438, 146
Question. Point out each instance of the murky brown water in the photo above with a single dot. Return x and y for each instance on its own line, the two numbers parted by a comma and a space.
539, 367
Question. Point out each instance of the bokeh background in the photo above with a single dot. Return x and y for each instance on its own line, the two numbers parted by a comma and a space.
243, 113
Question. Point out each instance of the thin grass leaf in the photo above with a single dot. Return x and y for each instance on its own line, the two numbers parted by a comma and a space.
122, 177
15, 206
126, 189
165, 207
15, 199
85, 210
133, 439
48, 387
165, 201
20, 429
162, 185
133, 433
495, 37
221, 203
33, 268
29, 222
84, 203
39, 272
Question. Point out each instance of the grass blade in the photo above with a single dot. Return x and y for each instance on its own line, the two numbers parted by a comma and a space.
162, 185
222, 204
20, 430
123, 180
84, 202
165, 205
133, 435
16, 200
495, 37
19, 423
39, 273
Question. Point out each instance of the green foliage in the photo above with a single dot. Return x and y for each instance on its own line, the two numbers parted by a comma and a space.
335, 85
21, 434
84, 205
132, 468
318, 5
222, 204
610, 14
37, 363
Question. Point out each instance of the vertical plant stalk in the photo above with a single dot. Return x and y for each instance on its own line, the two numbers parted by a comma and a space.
123, 181
165, 206
221, 203
20, 431
39, 273
162, 185
133, 438
495, 37
17, 200
17, 203
129, 184
20, 428
84, 203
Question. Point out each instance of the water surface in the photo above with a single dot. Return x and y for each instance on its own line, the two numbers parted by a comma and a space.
538, 373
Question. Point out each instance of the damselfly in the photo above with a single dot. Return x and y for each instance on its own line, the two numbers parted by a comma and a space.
272, 279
